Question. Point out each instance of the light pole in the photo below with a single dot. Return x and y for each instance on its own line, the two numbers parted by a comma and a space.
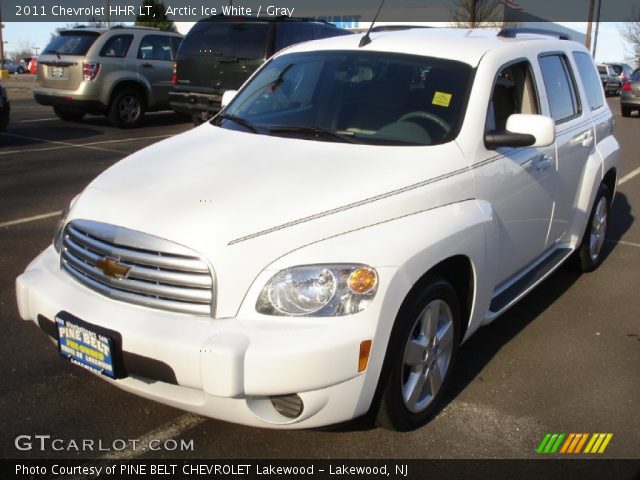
36, 49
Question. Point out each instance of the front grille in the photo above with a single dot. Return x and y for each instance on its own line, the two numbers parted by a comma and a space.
161, 274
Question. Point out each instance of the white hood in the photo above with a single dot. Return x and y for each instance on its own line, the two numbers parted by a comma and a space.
210, 187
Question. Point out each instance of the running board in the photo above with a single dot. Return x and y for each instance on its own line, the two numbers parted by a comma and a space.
529, 280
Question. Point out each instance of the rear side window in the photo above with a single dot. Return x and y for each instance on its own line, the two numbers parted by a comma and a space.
590, 80
155, 47
116, 46
291, 33
219, 39
71, 43
561, 92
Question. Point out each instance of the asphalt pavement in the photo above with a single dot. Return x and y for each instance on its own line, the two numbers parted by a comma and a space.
565, 359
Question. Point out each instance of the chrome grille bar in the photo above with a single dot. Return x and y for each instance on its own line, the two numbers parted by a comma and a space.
173, 278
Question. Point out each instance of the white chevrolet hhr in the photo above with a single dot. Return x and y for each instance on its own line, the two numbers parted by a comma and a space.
323, 246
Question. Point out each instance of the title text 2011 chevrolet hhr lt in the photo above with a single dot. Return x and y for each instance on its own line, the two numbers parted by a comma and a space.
322, 247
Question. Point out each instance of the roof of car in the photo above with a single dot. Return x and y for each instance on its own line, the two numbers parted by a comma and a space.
464, 45
82, 28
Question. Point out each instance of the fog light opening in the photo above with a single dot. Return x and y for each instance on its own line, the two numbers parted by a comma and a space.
289, 406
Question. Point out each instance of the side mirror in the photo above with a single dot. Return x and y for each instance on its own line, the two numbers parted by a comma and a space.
523, 130
227, 97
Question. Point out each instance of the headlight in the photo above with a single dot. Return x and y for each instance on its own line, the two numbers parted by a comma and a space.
57, 236
319, 290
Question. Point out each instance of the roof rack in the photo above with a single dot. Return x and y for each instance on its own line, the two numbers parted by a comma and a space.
514, 32
137, 27
393, 28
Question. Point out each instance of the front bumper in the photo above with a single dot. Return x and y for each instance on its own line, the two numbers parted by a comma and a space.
222, 368
195, 103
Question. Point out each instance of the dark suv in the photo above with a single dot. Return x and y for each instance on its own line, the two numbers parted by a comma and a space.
219, 53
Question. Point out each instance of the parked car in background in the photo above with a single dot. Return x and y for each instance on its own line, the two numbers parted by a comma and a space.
219, 53
610, 82
622, 71
32, 68
5, 109
630, 95
12, 67
372, 202
120, 72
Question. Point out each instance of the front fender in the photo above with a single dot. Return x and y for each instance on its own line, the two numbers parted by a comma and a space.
402, 250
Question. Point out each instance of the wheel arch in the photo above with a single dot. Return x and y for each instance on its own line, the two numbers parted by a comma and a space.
133, 84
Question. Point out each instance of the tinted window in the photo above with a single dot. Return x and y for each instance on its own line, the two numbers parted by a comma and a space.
155, 47
363, 97
71, 43
326, 31
590, 80
116, 46
558, 82
241, 40
636, 77
175, 43
291, 33
514, 91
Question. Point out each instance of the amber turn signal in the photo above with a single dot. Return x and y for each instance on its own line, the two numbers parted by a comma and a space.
363, 360
362, 280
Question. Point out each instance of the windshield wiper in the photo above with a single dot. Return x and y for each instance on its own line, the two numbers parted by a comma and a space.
340, 135
239, 121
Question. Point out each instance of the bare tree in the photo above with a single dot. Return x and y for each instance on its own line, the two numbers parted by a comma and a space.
24, 50
630, 31
477, 13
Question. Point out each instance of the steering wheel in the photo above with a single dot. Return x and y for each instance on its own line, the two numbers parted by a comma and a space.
419, 114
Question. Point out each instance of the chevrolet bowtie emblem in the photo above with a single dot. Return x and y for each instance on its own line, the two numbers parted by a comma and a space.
112, 268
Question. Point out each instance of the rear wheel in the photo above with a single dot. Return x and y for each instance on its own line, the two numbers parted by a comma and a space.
68, 114
421, 355
127, 109
591, 251
626, 111
20, 70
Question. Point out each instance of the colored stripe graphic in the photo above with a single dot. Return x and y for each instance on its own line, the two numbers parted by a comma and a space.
573, 443
598, 442
550, 443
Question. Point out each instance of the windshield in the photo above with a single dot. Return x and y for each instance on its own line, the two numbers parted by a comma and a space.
352, 96
71, 43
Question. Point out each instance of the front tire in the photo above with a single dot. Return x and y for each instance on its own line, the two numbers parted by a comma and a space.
421, 355
127, 109
591, 251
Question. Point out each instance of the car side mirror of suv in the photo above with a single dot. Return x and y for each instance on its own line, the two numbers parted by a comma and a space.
523, 130
227, 97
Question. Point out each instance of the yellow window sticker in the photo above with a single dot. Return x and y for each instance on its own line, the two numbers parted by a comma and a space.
441, 99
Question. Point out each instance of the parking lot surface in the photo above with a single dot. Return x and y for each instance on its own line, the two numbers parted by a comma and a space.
565, 359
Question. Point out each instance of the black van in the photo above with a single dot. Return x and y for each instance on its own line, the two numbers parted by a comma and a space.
219, 53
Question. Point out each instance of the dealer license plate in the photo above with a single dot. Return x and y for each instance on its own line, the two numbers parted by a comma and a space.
57, 72
85, 348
